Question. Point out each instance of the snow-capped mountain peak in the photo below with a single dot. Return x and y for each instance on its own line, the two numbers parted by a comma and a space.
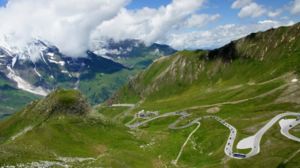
39, 67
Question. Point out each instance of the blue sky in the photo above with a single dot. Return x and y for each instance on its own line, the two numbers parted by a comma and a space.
182, 24
137, 4
270, 13
223, 7
2, 2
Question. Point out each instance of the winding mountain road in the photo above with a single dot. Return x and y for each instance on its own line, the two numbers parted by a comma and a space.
252, 142
288, 124
258, 136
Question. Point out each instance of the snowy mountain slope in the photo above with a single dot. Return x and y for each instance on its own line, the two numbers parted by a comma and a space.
40, 67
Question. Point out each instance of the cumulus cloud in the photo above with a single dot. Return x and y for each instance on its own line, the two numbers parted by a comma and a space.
240, 3
296, 7
148, 24
198, 21
75, 26
275, 13
219, 36
252, 10
248, 8
65, 23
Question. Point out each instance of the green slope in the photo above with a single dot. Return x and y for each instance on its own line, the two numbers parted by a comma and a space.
61, 127
249, 81
102, 86
257, 57
246, 83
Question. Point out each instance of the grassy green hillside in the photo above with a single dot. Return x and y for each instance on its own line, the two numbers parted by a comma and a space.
257, 57
63, 130
246, 83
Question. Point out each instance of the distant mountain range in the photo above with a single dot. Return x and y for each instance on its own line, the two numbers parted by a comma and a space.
41, 67
129, 48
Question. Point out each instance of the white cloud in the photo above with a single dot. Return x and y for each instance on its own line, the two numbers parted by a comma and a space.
240, 3
275, 13
252, 10
198, 21
219, 36
148, 24
65, 23
296, 7
74, 28
248, 8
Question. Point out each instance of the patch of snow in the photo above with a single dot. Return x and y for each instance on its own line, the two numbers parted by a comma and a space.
34, 51
24, 85
115, 52
14, 60
66, 72
62, 63
136, 44
24, 131
157, 51
247, 143
50, 54
37, 72
42, 56
107, 57
103, 52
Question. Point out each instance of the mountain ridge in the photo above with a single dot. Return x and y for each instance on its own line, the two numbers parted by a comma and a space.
171, 114
244, 49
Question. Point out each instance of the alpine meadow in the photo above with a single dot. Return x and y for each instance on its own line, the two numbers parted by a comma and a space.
149, 84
